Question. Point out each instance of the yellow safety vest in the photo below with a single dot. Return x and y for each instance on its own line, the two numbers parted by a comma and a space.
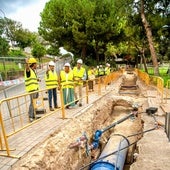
101, 72
51, 80
78, 75
107, 70
91, 74
31, 83
97, 72
67, 81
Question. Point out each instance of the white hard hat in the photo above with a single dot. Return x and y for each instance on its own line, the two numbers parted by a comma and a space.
66, 65
80, 61
51, 63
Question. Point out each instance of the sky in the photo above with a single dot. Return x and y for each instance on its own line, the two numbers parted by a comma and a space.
25, 11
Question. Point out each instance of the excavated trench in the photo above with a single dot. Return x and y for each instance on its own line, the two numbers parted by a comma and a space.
68, 147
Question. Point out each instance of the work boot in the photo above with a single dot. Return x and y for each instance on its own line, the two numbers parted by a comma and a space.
32, 119
56, 107
51, 109
67, 107
76, 101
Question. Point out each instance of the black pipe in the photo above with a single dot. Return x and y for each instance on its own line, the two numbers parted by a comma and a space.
116, 123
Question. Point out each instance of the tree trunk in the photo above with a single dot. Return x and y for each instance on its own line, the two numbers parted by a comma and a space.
83, 52
96, 52
144, 61
150, 39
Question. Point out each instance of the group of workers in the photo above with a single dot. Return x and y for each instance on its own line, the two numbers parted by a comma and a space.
69, 80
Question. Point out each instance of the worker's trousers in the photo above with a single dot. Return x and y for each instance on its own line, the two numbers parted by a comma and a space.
78, 93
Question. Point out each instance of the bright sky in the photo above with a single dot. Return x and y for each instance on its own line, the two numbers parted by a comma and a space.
25, 11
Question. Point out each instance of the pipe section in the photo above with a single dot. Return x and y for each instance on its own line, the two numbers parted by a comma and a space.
98, 133
114, 161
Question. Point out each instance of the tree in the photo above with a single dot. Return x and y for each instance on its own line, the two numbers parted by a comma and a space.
4, 47
38, 51
53, 50
24, 38
79, 25
150, 39
85, 27
18, 36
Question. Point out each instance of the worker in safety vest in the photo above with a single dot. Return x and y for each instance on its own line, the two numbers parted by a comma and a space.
67, 85
79, 75
101, 70
51, 81
91, 78
107, 69
31, 83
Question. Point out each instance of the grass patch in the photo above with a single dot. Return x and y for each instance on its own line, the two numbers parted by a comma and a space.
163, 71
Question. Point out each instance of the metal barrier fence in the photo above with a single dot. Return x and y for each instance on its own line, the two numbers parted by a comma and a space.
14, 115
167, 91
143, 76
159, 83
167, 125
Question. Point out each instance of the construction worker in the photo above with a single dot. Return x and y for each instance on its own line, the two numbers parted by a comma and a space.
79, 75
51, 81
31, 83
101, 73
107, 69
67, 85
97, 75
101, 70
91, 78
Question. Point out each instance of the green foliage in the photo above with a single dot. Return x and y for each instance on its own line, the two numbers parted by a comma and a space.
78, 25
53, 50
14, 32
16, 53
24, 38
38, 51
4, 47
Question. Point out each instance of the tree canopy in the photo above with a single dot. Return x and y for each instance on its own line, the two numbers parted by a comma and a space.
86, 27
79, 25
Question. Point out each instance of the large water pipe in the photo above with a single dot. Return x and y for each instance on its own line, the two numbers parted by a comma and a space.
113, 161
98, 133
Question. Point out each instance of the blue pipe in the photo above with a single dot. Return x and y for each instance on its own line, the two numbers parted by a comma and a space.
98, 133
103, 166
114, 161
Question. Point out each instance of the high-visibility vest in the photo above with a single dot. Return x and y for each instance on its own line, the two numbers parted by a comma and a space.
101, 71
107, 70
31, 83
78, 75
97, 72
67, 80
91, 74
51, 80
